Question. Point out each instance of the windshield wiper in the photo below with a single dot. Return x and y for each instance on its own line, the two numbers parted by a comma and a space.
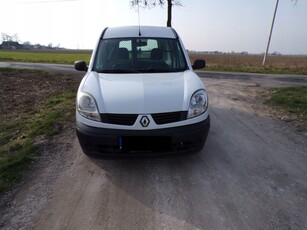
149, 70
117, 71
153, 70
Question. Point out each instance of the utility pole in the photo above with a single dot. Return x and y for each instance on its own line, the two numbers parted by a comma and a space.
270, 35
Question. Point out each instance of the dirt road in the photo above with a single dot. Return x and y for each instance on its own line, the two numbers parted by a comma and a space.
252, 174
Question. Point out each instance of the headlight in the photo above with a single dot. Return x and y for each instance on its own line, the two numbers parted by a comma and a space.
198, 103
87, 107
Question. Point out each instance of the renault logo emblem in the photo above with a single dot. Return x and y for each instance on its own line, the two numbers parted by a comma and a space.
144, 121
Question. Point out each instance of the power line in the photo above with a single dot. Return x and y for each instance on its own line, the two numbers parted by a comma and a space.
48, 1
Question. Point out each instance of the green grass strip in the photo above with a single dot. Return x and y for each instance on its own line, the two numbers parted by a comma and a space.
290, 99
258, 69
56, 58
17, 149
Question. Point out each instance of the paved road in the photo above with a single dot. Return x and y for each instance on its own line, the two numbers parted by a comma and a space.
38, 66
267, 79
251, 174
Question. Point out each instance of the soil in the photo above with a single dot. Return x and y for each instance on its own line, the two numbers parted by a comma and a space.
20, 93
250, 175
22, 90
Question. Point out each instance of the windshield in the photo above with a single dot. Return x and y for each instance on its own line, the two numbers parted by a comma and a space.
139, 55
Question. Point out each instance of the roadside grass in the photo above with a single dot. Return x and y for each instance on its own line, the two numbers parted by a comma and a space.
292, 100
17, 138
259, 69
19, 134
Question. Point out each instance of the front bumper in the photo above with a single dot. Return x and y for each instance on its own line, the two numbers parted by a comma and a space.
116, 142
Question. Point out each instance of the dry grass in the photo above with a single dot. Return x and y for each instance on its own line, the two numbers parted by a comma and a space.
251, 60
253, 63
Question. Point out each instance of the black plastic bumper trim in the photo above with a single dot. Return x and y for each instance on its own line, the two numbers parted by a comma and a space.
108, 142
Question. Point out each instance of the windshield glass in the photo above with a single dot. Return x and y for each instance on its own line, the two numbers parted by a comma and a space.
139, 55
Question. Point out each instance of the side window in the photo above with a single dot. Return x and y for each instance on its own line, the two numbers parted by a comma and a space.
151, 44
125, 44
144, 47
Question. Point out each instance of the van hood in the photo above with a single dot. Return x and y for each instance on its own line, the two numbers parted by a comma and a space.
142, 93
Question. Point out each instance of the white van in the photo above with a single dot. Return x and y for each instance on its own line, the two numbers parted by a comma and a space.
140, 95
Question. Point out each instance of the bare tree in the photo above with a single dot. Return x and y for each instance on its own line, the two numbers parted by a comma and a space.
9, 38
15, 37
5, 37
153, 3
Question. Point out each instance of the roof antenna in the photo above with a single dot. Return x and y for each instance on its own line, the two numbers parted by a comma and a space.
139, 18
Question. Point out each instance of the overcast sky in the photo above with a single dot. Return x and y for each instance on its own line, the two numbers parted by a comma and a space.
222, 25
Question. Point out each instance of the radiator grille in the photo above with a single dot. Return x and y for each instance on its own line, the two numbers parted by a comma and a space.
119, 119
164, 118
129, 119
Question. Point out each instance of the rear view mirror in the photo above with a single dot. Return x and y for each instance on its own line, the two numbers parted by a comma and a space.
141, 42
199, 64
81, 66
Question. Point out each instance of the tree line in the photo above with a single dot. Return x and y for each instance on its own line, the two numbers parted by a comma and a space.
13, 42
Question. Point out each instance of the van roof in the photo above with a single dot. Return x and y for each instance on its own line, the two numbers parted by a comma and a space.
133, 31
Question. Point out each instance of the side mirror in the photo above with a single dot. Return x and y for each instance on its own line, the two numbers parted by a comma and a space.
81, 66
199, 64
